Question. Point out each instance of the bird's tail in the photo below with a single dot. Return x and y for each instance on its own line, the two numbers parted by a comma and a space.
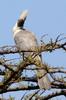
43, 79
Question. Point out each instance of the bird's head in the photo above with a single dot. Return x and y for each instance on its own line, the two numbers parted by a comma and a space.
20, 21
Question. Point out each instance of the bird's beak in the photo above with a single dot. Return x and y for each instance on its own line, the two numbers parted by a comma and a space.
24, 15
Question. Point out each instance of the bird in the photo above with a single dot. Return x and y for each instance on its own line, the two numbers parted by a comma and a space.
26, 40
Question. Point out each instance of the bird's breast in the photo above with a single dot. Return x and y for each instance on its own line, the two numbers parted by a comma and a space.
25, 40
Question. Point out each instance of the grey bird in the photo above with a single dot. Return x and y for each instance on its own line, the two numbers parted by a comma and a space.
26, 40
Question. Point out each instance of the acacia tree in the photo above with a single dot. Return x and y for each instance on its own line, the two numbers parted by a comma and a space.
14, 72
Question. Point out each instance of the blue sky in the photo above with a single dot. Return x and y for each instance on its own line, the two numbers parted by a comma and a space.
45, 17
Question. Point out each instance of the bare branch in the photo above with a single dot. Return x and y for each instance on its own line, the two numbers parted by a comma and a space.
62, 92
34, 94
6, 66
20, 88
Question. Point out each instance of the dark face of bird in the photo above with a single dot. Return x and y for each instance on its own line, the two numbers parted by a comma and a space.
20, 23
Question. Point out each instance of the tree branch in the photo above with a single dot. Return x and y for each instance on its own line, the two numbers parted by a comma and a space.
62, 92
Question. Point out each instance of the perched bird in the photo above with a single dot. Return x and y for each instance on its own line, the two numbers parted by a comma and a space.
26, 40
